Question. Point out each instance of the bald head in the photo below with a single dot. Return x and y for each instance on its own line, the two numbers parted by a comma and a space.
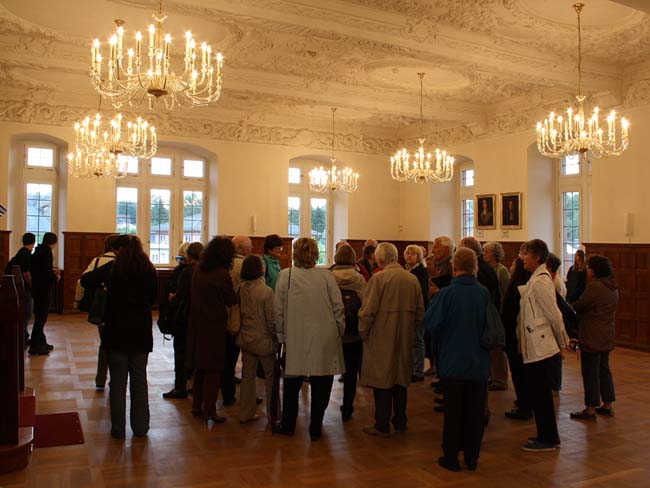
243, 245
371, 242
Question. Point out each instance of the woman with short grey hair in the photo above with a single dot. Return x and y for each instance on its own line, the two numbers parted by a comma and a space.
310, 321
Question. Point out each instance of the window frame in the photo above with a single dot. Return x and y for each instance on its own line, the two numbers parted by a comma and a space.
177, 183
465, 193
40, 145
301, 190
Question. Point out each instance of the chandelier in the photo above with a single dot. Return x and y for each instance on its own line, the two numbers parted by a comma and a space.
97, 149
323, 180
146, 71
422, 167
558, 137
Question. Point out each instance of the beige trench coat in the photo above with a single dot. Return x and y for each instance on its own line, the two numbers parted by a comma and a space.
391, 310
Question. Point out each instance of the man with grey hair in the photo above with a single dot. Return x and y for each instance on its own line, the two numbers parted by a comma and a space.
243, 247
392, 309
486, 275
443, 251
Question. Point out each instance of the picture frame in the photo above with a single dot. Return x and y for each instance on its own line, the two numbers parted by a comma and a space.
485, 212
511, 210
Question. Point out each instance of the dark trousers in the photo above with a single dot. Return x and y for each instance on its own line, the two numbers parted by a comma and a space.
180, 348
41, 308
321, 388
516, 363
539, 376
597, 378
352, 354
28, 311
391, 401
102, 361
465, 403
206, 390
132, 367
557, 372
227, 378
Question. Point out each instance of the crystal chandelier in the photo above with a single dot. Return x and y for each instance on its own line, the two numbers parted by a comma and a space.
146, 71
97, 149
423, 168
323, 180
558, 137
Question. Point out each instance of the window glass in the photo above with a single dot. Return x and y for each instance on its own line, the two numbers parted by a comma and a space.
467, 177
294, 176
130, 162
571, 165
127, 210
192, 216
39, 209
193, 168
319, 226
570, 227
294, 216
468, 218
159, 237
161, 166
41, 157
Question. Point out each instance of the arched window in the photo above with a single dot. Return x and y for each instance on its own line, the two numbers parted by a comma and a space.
164, 200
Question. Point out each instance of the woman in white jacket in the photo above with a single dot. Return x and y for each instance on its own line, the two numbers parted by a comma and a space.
310, 323
541, 336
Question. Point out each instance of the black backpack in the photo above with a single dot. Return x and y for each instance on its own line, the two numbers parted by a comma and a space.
351, 304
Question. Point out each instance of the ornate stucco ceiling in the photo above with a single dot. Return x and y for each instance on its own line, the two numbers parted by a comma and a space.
492, 65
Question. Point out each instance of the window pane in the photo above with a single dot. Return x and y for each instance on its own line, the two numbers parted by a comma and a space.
160, 226
39, 210
193, 168
127, 210
161, 166
571, 165
570, 227
294, 217
192, 216
294, 176
467, 218
130, 162
319, 226
42, 157
467, 177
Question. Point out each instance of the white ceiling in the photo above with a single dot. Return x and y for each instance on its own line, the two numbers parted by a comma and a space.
491, 65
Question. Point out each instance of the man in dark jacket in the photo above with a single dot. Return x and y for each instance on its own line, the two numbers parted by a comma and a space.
181, 305
43, 278
23, 258
486, 275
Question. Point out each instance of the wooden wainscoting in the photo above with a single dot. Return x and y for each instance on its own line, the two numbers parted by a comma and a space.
511, 249
4, 248
357, 245
285, 258
79, 250
632, 272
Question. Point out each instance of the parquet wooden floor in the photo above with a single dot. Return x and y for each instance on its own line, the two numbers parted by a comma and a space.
181, 451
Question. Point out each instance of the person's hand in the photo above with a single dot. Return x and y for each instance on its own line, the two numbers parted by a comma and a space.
433, 289
171, 296
572, 346
57, 273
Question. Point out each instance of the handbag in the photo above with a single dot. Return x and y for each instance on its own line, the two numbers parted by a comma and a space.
166, 323
494, 334
234, 318
86, 301
97, 310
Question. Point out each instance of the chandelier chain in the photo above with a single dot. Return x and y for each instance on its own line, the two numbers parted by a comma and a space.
421, 76
333, 133
578, 8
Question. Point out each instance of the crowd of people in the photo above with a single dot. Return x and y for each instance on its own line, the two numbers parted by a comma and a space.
369, 320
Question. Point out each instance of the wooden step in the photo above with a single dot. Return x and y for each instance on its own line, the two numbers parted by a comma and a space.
27, 411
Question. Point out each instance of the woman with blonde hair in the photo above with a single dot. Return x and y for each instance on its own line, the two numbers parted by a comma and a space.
310, 322
414, 257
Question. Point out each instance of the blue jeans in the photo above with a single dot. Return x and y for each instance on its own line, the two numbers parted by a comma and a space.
418, 351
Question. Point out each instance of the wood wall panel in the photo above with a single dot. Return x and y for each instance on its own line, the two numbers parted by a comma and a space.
632, 272
4, 248
79, 250
285, 258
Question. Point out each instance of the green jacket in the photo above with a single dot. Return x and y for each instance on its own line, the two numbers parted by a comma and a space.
272, 270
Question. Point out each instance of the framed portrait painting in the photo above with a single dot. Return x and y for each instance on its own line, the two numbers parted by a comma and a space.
485, 212
511, 210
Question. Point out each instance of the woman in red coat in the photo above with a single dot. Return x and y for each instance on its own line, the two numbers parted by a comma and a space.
212, 292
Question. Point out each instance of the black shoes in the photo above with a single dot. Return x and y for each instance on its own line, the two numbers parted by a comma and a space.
228, 402
346, 413
236, 380
40, 349
175, 394
450, 465
518, 414
280, 430
259, 400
